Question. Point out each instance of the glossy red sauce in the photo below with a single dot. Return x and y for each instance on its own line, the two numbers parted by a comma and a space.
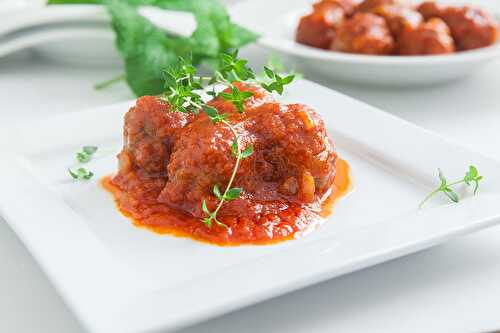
289, 222
171, 161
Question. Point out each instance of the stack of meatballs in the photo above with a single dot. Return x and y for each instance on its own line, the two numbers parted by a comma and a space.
395, 27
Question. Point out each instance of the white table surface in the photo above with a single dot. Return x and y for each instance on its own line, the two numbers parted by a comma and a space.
451, 288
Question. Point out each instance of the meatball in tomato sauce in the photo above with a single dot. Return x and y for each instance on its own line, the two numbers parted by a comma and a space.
347, 5
364, 33
431, 37
318, 28
293, 159
171, 163
471, 28
149, 134
399, 18
370, 5
354, 32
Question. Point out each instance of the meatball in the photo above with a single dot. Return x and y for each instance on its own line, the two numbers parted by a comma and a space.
430, 9
399, 18
432, 37
370, 5
364, 33
471, 27
149, 134
318, 28
347, 5
293, 159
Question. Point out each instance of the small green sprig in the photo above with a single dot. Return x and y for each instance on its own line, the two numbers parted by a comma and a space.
237, 97
233, 69
181, 86
230, 193
274, 62
85, 155
277, 81
471, 178
81, 174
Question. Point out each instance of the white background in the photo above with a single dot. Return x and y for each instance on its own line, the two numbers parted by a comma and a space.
450, 288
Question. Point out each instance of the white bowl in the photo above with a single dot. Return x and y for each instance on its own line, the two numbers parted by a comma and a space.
277, 24
76, 34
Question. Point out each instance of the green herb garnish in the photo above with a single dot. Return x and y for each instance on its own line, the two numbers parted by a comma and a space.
276, 65
85, 155
229, 193
182, 91
471, 178
277, 81
81, 174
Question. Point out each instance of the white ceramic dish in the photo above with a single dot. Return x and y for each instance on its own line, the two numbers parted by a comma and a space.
76, 34
119, 278
277, 24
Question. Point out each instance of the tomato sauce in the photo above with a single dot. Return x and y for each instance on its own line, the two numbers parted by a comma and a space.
286, 223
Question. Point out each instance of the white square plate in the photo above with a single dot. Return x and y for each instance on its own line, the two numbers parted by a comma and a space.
119, 278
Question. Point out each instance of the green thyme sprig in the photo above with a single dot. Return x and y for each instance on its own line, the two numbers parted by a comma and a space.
277, 81
81, 174
183, 93
274, 62
236, 97
83, 156
230, 193
233, 69
471, 178
182, 87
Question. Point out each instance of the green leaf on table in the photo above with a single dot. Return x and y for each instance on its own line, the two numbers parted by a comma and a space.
147, 50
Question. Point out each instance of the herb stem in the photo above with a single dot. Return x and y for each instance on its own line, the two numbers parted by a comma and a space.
428, 197
235, 169
471, 177
457, 182
436, 191
105, 84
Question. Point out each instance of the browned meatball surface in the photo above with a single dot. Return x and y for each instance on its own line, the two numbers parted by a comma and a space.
370, 5
293, 159
149, 134
430, 9
347, 5
432, 37
318, 28
471, 27
365, 34
399, 17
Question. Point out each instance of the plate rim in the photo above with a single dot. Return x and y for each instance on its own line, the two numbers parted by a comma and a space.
257, 268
